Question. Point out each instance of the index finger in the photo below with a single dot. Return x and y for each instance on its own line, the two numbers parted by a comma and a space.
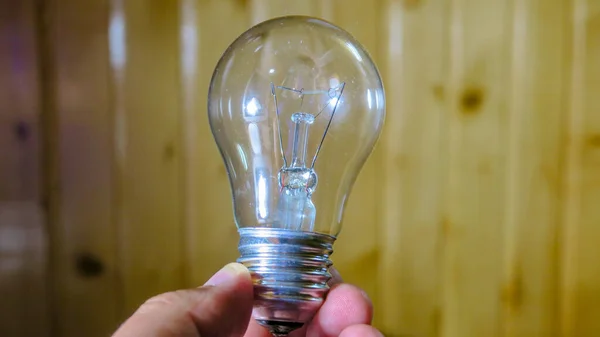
345, 306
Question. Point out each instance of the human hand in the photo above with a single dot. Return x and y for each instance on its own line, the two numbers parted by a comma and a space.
223, 307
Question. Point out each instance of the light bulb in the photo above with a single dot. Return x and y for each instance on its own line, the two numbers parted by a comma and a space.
296, 106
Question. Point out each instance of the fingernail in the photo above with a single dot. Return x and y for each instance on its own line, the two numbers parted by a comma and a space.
227, 274
335, 274
336, 278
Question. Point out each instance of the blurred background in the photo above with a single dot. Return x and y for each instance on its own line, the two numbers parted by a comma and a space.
477, 215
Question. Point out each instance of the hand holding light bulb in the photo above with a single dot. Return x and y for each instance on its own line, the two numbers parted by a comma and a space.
223, 306
296, 106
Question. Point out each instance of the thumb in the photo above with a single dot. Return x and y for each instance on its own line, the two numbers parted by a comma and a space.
222, 307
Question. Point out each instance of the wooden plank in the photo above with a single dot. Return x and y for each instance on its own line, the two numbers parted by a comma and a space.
581, 273
575, 67
478, 131
148, 201
415, 48
49, 140
537, 84
588, 297
212, 236
86, 289
24, 310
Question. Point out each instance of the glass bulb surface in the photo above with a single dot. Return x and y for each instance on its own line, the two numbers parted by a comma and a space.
295, 105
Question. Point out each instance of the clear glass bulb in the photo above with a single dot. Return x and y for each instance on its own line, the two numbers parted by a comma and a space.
295, 105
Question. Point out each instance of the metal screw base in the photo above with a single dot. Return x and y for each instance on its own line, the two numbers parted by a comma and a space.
290, 274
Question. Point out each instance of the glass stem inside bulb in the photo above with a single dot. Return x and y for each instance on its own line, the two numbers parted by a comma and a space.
302, 122
296, 209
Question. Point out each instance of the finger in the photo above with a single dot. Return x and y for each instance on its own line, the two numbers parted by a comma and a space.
345, 305
360, 330
228, 313
222, 307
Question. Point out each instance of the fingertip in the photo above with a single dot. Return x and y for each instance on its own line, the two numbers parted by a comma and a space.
231, 274
230, 302
351, 302
351, 290
345, 305
238, 268
360, 330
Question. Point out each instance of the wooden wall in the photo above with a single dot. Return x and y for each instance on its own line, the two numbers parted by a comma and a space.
477, 215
